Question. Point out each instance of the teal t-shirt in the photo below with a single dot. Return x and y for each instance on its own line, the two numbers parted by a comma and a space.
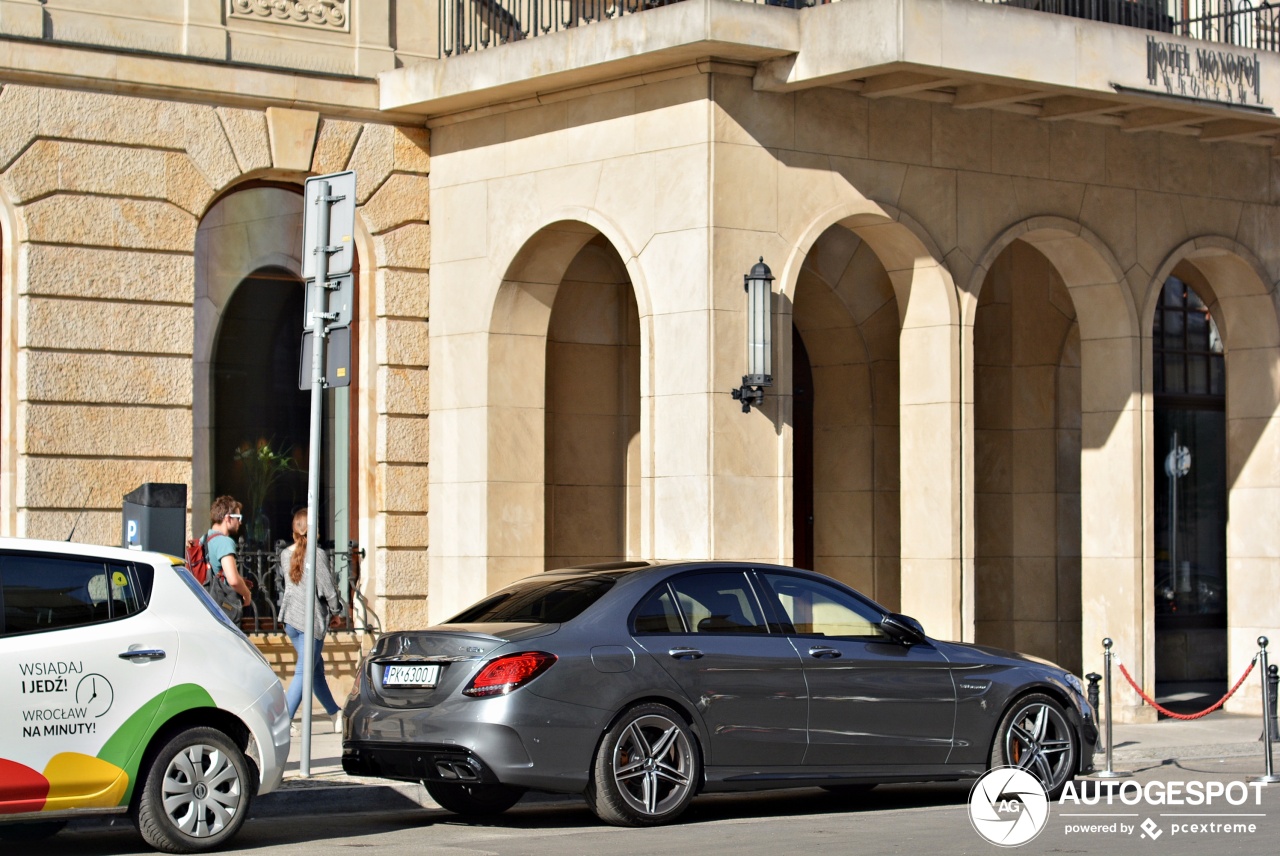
216, 546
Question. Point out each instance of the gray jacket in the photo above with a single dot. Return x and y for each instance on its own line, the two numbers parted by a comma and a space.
293, 606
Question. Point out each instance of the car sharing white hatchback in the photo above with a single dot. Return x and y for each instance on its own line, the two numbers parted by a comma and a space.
124, 688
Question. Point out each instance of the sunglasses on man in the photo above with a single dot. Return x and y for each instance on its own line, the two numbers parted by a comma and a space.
236, 516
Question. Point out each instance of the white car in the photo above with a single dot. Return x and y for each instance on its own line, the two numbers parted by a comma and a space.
124, 688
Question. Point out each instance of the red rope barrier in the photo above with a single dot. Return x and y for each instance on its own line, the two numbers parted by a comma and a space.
1219, 703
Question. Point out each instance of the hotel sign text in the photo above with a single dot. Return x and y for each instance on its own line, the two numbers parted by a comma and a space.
1209, 72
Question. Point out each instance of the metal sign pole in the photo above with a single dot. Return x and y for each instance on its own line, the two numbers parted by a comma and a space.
318, 330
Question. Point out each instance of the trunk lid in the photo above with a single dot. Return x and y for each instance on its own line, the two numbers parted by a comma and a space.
421, 668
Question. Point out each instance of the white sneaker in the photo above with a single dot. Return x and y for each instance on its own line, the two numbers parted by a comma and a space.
293, 729
337, 722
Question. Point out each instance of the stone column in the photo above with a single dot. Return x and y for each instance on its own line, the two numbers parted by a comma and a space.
391, 166
1253, 473
930, 426
1113, 596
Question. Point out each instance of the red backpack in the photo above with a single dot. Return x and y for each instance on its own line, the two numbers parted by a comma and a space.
198, 560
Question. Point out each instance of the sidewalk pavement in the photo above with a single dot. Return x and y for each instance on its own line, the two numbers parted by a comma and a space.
328, 790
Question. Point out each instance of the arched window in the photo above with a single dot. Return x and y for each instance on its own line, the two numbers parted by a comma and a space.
1190, 488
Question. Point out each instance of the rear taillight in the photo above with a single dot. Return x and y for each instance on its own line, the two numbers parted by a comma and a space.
508, 673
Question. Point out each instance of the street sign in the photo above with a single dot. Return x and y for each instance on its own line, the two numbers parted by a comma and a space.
337, 359
341, 296
342, 222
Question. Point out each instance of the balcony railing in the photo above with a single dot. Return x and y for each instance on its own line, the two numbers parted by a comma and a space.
467, 26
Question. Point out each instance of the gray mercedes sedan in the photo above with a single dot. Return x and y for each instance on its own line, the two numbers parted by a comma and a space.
640, 686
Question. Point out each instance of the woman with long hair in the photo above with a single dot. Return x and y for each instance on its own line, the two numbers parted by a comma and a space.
293, 611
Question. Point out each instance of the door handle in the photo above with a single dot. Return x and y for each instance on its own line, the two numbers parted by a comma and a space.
145, 655
685, 653
823, 653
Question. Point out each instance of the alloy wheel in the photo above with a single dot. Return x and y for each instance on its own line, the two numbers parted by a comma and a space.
652, 765
1038, 740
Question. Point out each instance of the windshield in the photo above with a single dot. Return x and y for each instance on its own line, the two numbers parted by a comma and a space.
538, 601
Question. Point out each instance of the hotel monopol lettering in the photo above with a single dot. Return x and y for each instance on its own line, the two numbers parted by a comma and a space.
1204, 72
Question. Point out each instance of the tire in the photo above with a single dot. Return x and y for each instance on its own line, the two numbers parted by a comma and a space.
474, 800
1034, 734
646, 770
196, 793
27, 833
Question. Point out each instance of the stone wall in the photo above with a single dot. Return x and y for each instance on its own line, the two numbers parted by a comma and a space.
938, 194
103, 196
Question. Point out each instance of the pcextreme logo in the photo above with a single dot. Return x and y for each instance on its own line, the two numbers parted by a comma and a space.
1008, 806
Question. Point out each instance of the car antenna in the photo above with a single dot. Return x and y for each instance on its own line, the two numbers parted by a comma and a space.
84, 503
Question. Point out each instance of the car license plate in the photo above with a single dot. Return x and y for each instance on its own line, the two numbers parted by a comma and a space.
410, 676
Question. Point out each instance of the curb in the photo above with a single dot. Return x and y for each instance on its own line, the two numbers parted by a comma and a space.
342, 798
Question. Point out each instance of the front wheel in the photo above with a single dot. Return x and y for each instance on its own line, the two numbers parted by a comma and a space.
1034, 735
196, 793
474, 800
646, 769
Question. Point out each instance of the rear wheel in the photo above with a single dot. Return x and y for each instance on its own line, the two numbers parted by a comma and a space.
646, 769
196, 793
1035, 736
474, 800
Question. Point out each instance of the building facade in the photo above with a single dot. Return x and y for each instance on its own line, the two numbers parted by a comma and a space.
1026, 350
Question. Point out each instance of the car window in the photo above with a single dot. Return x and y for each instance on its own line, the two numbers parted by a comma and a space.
717, 603
815, 608
657, 613
43, 592
538, 601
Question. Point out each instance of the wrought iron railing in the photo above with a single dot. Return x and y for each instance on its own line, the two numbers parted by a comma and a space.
263, 572
467, 26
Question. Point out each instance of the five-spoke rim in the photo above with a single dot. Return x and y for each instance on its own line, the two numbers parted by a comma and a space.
653, 765
202, 790
1039, 741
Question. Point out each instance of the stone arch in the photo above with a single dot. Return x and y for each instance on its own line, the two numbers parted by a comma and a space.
501, 424
844, 417
928, 427
226, 254
250, 228
1112, 575
1234, 284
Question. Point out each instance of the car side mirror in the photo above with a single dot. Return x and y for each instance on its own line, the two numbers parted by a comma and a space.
903, 628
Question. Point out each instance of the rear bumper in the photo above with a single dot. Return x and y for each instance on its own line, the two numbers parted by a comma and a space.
421, 763
519, 739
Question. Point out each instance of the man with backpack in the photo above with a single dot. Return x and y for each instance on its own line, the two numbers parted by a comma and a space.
220, 544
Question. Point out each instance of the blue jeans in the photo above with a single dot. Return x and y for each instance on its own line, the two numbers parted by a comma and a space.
293, 695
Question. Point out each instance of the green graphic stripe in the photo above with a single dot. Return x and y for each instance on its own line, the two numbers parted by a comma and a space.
125, 747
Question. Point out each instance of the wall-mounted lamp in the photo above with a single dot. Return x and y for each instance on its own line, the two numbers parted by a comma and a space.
759, 287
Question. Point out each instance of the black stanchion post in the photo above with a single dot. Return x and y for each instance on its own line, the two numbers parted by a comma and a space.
1269, 715
1093, 678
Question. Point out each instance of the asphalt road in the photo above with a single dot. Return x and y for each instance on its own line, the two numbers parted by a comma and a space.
896, 819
